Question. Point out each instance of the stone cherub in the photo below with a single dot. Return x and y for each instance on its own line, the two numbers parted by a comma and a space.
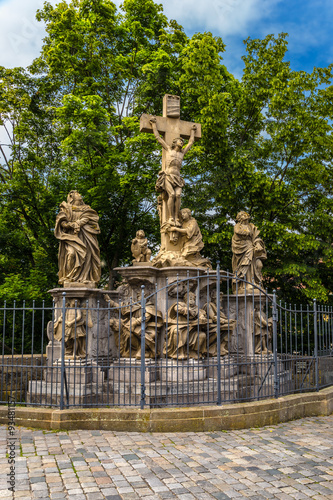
139, 248
170, 180
77, 229
248, 251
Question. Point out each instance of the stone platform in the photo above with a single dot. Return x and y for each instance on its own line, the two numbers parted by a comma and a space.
167, 382
194, 382
83, 380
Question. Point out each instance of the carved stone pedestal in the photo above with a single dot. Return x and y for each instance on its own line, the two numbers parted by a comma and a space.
92, 303
53, 351
154, 280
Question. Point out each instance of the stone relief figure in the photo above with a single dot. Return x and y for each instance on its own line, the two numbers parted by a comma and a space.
248, 251
225, 325
130, 330
177, 289
76, 324
77, 229
263, 331
124, 290
139, 248
170, 180
184, 340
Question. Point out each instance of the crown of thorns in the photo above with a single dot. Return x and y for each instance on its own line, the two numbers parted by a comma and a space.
177, 139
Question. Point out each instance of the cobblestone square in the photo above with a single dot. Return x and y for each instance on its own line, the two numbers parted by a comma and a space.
289, 460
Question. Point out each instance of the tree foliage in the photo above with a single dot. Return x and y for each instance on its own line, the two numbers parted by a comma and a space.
71, 120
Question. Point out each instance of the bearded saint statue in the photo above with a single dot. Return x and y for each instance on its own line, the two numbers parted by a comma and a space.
77, 229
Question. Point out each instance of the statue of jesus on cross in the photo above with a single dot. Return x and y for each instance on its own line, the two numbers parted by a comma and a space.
174, 131
170, 180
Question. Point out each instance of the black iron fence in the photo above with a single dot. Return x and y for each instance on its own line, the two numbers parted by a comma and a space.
208, 339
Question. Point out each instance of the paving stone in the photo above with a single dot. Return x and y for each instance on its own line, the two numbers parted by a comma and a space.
287, 461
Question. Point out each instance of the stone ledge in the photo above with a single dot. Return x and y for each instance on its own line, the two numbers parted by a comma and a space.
195, 419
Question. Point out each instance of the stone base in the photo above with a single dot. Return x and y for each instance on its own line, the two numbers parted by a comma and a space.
77, 372
53, 351
170, 370
162, 393
128, 370
197, 392
166, 382
190, 370
169, 382
45, 393
228, 367
84, 381
78, 284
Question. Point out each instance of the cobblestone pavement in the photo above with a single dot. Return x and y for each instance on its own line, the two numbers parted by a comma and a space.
292, 460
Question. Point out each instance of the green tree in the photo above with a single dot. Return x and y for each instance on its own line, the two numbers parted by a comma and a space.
73, 122
267, 149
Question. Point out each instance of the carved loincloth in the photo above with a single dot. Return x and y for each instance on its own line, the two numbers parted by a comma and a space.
174, 180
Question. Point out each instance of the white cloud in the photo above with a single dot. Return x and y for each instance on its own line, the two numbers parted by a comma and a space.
21, 34
221, 16
224, 17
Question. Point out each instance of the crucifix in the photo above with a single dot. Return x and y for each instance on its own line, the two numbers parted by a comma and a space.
170, 131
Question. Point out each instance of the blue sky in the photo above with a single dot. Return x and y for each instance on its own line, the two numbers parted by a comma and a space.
309, 24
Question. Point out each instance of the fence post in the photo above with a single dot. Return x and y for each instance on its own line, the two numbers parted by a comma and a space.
218, 333
275, 357
143, 347
63, 351
315, 342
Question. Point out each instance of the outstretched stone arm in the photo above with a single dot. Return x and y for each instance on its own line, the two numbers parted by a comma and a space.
157, 135
191, 140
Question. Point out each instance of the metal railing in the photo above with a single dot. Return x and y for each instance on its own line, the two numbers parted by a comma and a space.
192, 342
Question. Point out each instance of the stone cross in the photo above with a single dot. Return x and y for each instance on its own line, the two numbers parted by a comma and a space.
170, 126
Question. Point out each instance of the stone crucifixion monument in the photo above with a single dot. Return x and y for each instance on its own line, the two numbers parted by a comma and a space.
181, 239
